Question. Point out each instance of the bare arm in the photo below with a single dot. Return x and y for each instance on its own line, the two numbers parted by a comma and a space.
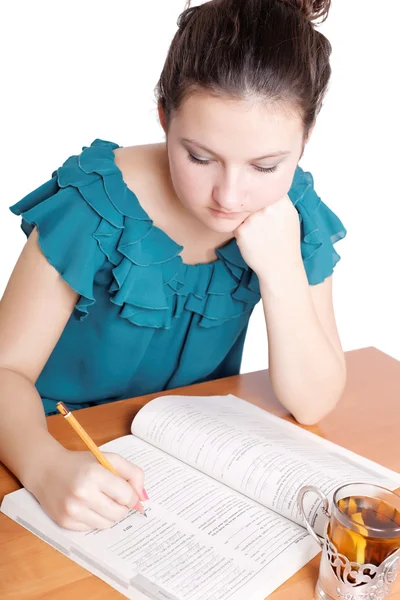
306, 361
33, 313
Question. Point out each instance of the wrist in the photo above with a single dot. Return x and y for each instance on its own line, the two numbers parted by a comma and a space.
283, 280
40, 451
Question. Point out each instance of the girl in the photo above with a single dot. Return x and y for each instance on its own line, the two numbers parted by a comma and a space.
143, 264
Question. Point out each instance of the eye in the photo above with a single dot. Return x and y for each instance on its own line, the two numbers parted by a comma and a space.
197, 161
266, 169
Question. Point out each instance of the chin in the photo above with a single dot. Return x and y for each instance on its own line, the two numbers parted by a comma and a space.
228, 227
221, 225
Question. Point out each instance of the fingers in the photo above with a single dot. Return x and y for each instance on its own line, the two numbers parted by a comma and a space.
84, 495
131, 482
85, 520
80, 514
95, 511
107, 508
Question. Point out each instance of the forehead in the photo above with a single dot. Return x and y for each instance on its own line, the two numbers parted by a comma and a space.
219, 122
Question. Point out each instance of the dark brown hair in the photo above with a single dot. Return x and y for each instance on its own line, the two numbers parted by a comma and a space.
267, 49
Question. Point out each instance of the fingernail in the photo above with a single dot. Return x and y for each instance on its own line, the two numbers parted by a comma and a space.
145, 494
139, 507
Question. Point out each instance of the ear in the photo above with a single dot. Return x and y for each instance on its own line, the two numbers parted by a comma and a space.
161, 116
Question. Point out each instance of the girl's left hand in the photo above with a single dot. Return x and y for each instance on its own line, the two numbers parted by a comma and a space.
269, 240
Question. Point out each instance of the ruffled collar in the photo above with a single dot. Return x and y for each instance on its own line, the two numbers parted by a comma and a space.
152, 284
99, 159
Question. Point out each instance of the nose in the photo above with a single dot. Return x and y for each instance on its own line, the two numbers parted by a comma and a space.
227, 194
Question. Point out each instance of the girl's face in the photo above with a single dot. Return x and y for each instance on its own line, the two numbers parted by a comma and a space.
231, 158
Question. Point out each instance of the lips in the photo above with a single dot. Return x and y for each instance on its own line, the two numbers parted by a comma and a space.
226, 215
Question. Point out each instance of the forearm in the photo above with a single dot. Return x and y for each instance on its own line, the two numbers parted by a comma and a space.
25, 443
307, 373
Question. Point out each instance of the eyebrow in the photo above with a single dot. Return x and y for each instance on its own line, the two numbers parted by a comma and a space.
271, 155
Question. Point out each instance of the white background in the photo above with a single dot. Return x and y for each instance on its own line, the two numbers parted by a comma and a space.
74, 71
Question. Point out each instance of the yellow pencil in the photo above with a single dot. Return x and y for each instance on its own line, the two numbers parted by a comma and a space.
86, 439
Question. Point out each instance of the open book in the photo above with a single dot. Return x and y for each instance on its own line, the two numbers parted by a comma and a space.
223, 477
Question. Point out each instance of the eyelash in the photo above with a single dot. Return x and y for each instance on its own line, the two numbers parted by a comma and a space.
197, 161
266, 169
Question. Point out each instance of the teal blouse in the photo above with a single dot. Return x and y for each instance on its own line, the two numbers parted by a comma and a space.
145, 321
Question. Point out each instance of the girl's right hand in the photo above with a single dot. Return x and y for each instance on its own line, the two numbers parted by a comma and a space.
80, 494
72, 487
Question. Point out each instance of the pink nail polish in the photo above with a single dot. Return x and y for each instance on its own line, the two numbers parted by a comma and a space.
144, 494
139, 507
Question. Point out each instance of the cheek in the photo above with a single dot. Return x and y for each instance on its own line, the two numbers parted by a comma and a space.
275, 188
190, 183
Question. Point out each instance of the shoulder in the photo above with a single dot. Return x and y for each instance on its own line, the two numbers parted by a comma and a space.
89, 220
100, 179
130, 156
302, 188
145, 171
142, 166
321, 228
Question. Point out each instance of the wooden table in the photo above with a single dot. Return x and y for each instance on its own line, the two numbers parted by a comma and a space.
366, 421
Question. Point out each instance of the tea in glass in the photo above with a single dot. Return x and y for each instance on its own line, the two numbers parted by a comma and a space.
374, 533
361, 542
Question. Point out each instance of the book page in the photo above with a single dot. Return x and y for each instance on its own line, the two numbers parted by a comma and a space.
200, 540
260, 455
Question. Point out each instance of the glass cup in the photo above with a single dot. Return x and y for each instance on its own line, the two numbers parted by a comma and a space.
360, 543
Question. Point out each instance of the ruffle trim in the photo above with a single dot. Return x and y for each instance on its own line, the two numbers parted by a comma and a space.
320, 228
151, 284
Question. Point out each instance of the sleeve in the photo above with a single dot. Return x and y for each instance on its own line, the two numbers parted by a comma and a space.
67, 222
320, 228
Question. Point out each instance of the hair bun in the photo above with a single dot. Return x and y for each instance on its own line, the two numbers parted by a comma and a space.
313, 10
